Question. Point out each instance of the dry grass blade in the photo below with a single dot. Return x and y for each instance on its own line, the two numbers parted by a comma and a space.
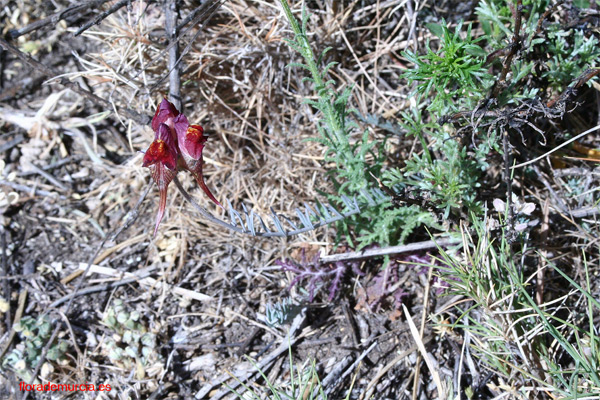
426, 356
568, 142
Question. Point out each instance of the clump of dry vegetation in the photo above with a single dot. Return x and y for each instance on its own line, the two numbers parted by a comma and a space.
410, 192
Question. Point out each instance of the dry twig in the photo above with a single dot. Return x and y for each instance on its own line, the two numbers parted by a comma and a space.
392, 250
171, 33
288, 342
55, 18
114, 8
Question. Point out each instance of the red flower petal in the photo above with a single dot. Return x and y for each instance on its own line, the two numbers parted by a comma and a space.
162, 150
165, 110
180, 123
197, 172
174, 137
161, 158
192, 142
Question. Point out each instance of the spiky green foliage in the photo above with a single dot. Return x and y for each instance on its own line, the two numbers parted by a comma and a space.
356, 161
454, 78
497, 20
334, 128
572, 52
452, 180
454, 75
513, 335
552, 347
570, 49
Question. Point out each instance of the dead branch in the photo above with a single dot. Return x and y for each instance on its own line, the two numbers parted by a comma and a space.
5, 273
388, 251
206, 12
513, 48
54, 18
199, 12
99, 18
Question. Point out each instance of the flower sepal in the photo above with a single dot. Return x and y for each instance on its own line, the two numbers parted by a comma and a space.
191, 140
161, 158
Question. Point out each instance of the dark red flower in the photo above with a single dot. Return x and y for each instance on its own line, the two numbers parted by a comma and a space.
161, 158
191, 139
175, 142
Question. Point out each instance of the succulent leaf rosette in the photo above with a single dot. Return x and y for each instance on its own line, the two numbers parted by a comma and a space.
177, 145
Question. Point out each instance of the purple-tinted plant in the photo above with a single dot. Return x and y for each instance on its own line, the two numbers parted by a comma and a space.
385, 290
318, 274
